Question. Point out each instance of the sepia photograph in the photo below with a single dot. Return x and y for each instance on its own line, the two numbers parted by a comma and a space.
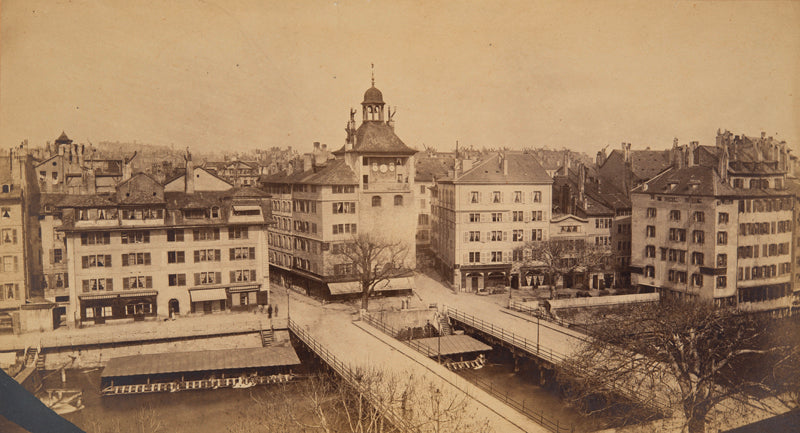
373, 216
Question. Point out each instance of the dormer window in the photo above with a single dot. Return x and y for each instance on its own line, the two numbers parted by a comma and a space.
215, 212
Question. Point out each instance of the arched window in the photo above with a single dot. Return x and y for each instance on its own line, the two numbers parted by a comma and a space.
6, 188
398, 200
376, 201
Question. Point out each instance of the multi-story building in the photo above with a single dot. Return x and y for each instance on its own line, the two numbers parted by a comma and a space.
794, 187
599, 213
367, 188
718, 225
150, 250
480, 216
430, 166
19, 239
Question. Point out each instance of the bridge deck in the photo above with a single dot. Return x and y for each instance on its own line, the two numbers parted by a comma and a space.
358, 345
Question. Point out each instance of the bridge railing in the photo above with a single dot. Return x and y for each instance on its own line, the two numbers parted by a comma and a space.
554, 426
348, 374
654, 402
533, 347
537, 313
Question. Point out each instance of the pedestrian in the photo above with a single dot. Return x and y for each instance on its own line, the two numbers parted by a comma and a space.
275, 310
269, 311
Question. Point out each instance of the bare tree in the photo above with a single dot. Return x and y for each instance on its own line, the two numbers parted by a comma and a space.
375, 260
561, 257
682, 354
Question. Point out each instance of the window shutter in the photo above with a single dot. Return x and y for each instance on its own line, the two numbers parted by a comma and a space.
230, 232
109, 284
232, 254
84, 262
196, 278
217, 255
252, 275
126, 283
14, 236
146, 258
196, 256
217, 277
505, 236
108, 260
466, 236
146, 237
85, 285
124, 260
66, 280
52, 257
148, 282
181, 279
233, 276
252, 254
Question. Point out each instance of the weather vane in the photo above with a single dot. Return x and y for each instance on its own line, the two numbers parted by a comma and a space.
372, 65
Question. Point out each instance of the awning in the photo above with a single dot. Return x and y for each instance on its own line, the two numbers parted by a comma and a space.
249, 288
208, 295
205, 360
384, 286
112, 295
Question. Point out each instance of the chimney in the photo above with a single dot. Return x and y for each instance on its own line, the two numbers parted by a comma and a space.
91, 182
626, 152
504, 162
692, 153
565, 162
308, 162
582, 184
722, 170
316, 146
601, 158
189, 177
60, 149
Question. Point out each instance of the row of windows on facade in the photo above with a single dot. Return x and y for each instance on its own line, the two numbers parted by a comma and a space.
492, 256
287, 189
516, 216
500, 236
623, 228
676, 276
765, 228
516, 197
764, 293
745, 273
173, 235
143, 258
758, 183
679, 256
132, 309
146, 281
697, 216
767, 250
679, 235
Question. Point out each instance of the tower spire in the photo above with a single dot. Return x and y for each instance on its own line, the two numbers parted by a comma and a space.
372, 66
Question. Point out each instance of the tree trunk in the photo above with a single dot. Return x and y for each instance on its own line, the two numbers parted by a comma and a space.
697, 423
364, 300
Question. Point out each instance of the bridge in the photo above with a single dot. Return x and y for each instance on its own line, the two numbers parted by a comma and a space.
546, 342
359, 353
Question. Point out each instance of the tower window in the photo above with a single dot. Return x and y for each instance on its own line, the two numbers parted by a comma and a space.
376, 201
398, 200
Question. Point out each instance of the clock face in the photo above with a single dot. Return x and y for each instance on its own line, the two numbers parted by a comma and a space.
374, 166
391, 167
384, 169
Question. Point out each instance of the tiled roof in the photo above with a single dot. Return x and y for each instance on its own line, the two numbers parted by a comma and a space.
85, 200
522, 168
378, 137
647, 163
452, 344
198, 200
333, 172
428, 168
696, 180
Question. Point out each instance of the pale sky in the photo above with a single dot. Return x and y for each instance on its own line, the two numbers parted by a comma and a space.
237, 74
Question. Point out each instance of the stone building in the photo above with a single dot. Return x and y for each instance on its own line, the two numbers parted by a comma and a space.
480, 215
718, 225
368, 187
151, 250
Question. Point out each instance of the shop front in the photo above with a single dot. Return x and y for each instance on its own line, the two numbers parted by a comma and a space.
101, 307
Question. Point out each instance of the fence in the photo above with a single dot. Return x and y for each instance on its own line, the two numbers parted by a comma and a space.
538, 417
654, 402
537, 313
346, 372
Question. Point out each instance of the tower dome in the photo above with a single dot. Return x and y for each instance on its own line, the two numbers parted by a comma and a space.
373, 96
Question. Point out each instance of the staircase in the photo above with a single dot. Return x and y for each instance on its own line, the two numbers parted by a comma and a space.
31, 358
444, 326
40, 361
267, 337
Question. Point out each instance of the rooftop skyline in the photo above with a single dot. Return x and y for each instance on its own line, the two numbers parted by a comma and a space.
239, 74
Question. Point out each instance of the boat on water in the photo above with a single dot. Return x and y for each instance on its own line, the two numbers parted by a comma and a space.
63, 401
475, 364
